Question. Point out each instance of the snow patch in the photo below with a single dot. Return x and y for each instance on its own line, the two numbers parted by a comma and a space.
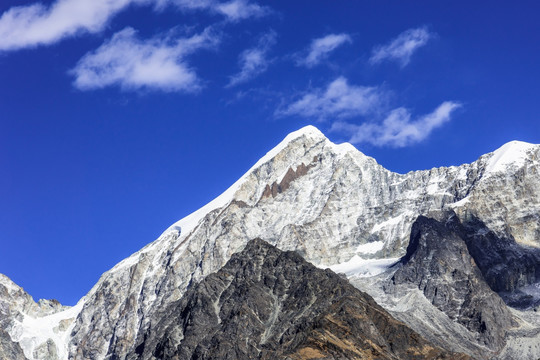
390, 222
34, 331
360, 267
461, 202
370, 248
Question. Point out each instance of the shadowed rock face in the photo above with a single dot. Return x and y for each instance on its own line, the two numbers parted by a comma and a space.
439, 264
506, 265
269, 304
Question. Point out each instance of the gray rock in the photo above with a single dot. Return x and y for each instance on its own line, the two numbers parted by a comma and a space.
9, 349
439, 264
506, 265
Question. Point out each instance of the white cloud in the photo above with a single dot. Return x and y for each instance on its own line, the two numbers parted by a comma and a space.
254, 61
320, 48
27, 26
338, 100
397, 129
236, 10
158, 63
401, 48
37, 24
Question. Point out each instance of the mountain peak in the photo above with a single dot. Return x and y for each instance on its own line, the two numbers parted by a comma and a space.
308, 130
513, 153
308, 135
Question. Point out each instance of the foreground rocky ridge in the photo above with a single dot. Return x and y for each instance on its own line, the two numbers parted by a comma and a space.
269, 304
334, 206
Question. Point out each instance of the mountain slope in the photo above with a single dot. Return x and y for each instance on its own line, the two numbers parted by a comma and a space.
330, 203
269, 304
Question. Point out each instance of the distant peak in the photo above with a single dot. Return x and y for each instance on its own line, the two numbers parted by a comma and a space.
516, 143
513, 153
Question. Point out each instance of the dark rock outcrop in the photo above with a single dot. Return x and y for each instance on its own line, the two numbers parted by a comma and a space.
269, 304
506, 265
439, 264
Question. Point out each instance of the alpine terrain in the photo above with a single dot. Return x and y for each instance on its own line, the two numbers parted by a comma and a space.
318, 252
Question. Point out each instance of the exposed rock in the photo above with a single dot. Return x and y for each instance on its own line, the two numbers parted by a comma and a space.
439, 264
8, 348
46, 351
290, 176
508, 267
269, 304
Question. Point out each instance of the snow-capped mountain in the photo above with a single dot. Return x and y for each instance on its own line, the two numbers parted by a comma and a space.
337, 208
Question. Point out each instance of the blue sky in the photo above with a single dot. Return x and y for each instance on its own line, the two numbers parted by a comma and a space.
119, 117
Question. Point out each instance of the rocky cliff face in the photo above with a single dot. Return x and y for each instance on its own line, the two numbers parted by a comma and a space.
269, 304
10, 349
509, 267
438, 263
29, 329
330, 203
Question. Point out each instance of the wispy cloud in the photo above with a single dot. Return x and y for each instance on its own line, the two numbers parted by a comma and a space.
321, 48
237, 10
353, 110
397, 129
254, 61
38, 24
402, 47
338, 100
158, 63
234, 10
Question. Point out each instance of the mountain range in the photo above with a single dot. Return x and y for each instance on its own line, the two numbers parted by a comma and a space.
318, 252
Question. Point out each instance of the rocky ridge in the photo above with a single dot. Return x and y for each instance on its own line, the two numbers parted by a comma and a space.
330, 203
269, 304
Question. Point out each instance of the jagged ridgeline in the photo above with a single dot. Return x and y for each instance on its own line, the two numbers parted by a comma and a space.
448, 256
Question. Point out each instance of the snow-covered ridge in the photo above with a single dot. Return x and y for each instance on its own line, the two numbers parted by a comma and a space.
189, 222
512, 154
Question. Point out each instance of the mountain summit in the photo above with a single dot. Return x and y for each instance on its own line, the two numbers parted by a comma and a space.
337, 208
